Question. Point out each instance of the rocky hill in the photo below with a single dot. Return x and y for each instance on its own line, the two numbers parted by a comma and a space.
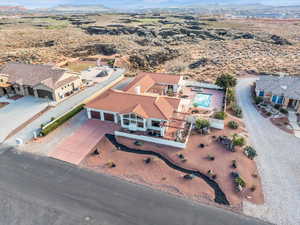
201, 47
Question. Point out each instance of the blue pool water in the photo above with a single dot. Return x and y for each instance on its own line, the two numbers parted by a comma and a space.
202, 100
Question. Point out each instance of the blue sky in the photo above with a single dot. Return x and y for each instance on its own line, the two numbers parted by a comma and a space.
138, 3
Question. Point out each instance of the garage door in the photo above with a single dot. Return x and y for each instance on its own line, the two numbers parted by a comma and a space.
95, 115
109, 117
45, 94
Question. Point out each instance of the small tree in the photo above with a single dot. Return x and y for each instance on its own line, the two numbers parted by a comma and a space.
201, 124
230, 96
250, 152
258, 100
226, 81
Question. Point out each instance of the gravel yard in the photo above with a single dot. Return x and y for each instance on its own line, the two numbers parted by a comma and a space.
278, 163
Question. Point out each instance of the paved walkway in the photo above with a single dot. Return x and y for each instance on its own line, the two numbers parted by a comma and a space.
18, 112
77, 146
278, 163
27, 133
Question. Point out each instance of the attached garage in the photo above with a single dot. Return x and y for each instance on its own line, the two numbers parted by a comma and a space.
109, 117
95, 115
44, 94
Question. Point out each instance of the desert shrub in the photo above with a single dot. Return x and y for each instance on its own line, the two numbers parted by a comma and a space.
210, 157
201, 124
238, 141
253, 188
277, 106
139, 143
226, 81
250, 152
284, 111
147, 160
258, 100
237, 111
188, 176
233, 124
234, 164
220, 115
238, 181
268, 114
234, 174
111, 164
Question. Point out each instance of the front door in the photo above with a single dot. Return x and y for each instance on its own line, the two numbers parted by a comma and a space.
30, 91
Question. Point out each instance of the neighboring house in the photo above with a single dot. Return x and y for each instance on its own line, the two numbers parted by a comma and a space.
158, 83
41, 81
141, 115
282, 90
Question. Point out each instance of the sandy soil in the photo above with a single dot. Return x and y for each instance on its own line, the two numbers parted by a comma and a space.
157, 174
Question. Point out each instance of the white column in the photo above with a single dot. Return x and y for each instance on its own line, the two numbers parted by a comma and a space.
116, 118
102, 115
89, 113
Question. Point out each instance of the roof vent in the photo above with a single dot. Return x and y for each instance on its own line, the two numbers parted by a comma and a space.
284, 87
137, 90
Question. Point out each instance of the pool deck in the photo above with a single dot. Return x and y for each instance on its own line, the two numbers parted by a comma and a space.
216, 100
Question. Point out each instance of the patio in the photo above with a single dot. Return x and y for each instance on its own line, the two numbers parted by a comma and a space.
217, 99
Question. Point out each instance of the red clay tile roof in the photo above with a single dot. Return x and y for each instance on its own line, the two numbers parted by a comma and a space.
148, 80
146, 106
33, 74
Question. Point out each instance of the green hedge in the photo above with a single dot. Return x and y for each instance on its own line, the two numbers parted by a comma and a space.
47, 129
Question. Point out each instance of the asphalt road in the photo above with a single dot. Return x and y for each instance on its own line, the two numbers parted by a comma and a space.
278, 163
42, 191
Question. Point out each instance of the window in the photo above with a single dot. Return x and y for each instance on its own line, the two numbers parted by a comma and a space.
261, 93
280, 100
126, 116
126, 122
140, 125
155, 123
132, 116
274, 99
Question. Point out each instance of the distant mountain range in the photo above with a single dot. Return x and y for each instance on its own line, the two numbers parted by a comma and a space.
4, 8
241, 10
77, 8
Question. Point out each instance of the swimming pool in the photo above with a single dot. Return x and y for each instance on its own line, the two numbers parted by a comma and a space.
202, 100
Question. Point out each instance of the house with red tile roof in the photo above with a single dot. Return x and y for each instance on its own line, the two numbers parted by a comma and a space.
42, 81
141, 114
158, 83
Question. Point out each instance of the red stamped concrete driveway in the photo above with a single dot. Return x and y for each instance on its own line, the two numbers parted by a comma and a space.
75, 148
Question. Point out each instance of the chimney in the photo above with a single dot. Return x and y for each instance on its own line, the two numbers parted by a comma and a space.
137, 90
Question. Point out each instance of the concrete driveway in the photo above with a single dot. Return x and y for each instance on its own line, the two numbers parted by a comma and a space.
27, 133
278, 162
18, 112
